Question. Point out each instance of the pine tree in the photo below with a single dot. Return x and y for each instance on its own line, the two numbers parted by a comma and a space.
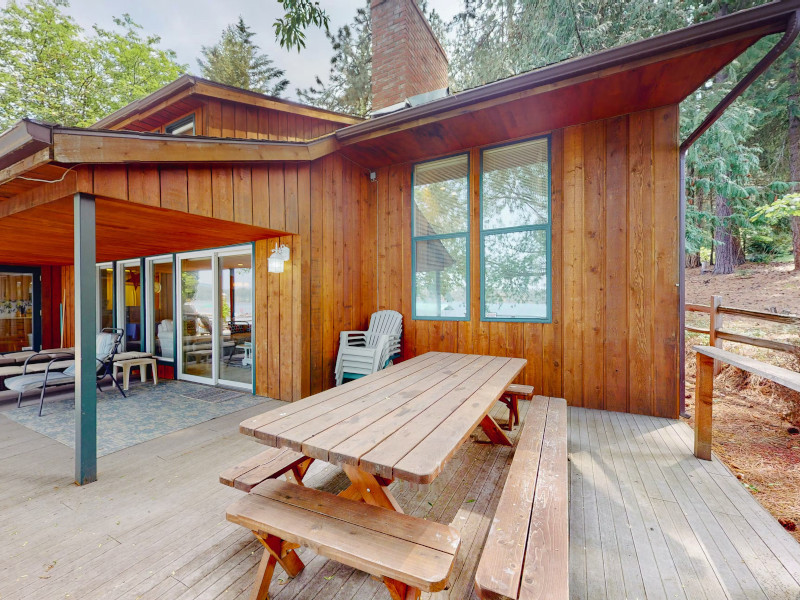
349, 87
235, 61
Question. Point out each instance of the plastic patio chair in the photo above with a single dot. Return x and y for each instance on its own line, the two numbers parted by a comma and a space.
107, 345
365, 352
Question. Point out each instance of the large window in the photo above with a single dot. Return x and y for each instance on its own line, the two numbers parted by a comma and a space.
440, 239
184, 126
515, 232
160, 307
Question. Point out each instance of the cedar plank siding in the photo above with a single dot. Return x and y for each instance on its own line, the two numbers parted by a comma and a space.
613, 342
223, 118
277, 195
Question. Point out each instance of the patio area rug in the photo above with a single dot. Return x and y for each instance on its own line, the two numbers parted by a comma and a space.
147, 413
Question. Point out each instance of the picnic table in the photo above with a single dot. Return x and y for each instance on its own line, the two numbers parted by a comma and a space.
404, 422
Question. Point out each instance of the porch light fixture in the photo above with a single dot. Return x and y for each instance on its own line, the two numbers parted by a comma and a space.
279, 256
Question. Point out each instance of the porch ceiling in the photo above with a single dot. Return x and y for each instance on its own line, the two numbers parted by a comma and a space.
44, 235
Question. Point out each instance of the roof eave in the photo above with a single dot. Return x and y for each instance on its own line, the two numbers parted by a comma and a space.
23, 140
760, 21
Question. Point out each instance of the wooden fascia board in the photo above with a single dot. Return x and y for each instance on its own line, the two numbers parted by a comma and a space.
41, 194
42, 157
221, 93
76, 147
395, 124
126, 121
22, 141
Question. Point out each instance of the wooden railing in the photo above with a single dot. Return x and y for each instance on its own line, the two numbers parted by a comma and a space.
707, 359
717, 334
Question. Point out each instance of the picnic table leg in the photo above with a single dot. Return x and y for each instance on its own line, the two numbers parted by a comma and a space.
494, 433
298, 471
370, 489
401, 591
374, 490
275, 551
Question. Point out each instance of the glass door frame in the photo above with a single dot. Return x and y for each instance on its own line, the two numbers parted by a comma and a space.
149, 304
98, 300
36, 305
214, 254
119, 301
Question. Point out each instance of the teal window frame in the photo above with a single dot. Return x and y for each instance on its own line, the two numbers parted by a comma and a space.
421, 238
547, 228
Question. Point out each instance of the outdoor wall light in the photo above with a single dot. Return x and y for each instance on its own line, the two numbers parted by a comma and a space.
279, 256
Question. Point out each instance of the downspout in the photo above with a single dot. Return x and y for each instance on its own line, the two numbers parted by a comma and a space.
792, 30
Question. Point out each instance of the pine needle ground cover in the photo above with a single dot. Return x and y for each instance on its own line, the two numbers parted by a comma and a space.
756, 424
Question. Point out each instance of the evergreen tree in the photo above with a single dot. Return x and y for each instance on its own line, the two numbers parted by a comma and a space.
235, 61
349, 87
495, 39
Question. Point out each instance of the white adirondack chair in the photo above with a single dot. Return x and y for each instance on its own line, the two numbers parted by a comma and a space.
364, 352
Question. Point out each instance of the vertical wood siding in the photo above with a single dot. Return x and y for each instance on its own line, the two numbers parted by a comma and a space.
221, 118
613, 342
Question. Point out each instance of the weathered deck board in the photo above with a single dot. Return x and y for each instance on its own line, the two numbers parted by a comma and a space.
153, 526
695, 531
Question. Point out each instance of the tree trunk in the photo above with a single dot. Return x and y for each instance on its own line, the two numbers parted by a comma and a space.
692, 261
726, 244
793, 102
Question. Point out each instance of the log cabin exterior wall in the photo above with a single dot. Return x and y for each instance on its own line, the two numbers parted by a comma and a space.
613, 340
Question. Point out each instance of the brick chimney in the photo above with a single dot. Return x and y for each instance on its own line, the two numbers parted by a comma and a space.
407, 59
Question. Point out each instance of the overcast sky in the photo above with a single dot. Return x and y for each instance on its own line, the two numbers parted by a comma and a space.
186, 25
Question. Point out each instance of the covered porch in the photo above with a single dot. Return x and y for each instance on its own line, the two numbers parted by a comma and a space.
69, 220
647, 519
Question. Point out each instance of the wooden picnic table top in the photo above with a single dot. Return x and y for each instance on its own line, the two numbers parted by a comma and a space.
403, 422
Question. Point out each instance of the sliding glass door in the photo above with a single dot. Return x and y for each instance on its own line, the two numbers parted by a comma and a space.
235, 360
160, 308
129, 298
19, 314
216, 316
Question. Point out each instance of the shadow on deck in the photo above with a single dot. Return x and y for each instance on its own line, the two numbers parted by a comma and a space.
647, 520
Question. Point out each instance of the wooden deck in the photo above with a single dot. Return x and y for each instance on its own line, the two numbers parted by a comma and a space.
647, 519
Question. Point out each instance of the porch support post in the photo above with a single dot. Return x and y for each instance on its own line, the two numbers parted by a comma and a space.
85, 323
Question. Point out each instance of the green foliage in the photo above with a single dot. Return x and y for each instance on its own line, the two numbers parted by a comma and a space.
235, 61
495, 39
787, 206
51, 70
300, 14
190, 281
349, 87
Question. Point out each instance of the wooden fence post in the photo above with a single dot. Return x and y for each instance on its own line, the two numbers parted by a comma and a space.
715, 324
703, 397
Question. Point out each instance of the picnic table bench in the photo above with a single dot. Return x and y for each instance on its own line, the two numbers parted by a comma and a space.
403, 422
404, 551
270, 464
526, 554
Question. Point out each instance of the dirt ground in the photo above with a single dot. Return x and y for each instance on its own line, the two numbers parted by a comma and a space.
756, 423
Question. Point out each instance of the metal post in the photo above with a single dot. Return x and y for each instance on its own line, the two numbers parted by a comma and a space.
85, 331
682, 283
